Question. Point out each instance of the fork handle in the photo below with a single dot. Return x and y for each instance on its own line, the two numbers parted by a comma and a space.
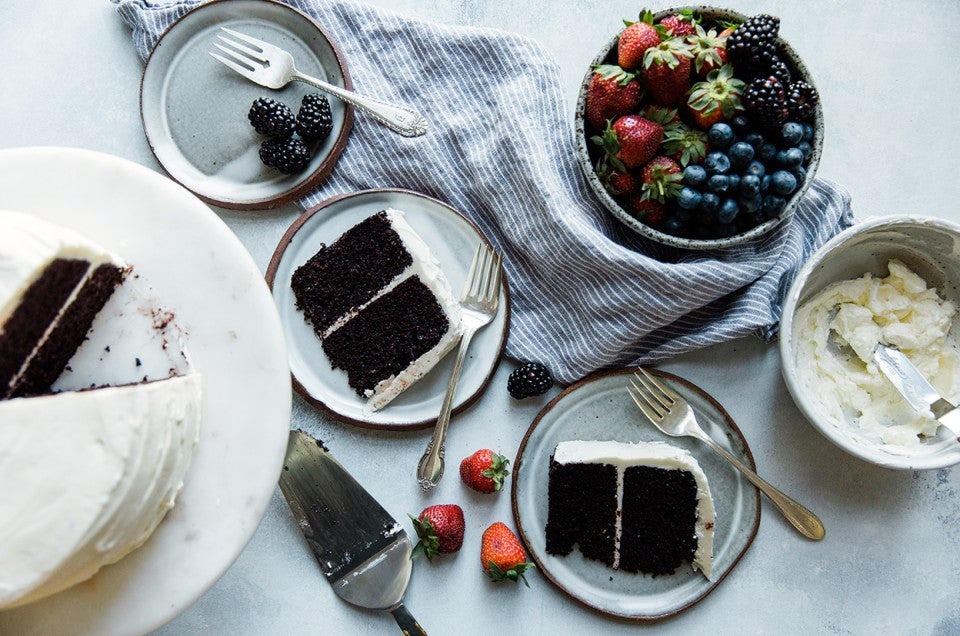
400, 119
802, 519
430, 468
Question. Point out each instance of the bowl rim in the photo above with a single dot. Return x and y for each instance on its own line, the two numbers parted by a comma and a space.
583, 148
874, 455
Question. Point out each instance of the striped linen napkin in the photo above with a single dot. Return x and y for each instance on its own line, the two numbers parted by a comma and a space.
587, 292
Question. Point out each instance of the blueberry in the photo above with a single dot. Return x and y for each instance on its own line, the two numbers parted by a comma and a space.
800, 174
750, 185
765, 183
807, 132
806, 149
710, 202
695, 175
741, 125
726, 229
750, 203
720, 135
684, 215
674, 226
772, 205
728, 211
741, 153
790, 158
718, 183
734, 181
705, 217
755, 139
783, 183
716, 163
791, 133
688, 199
755, 168
767, 153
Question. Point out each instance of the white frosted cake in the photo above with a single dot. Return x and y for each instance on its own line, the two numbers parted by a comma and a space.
87, 477
381, 306
643, 507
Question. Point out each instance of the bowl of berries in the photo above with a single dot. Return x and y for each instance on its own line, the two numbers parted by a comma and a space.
699, 127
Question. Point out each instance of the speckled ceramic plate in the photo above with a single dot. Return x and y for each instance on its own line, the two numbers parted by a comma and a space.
201, 273
599, 408
194, 108
453, 240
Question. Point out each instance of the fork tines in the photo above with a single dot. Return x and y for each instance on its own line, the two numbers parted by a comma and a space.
483, 277
653, 397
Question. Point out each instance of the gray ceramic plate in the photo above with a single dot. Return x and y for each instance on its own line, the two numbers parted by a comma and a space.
453, 240
599, 408
194, 109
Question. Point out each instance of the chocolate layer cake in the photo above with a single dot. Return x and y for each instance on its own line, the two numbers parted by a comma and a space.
52, 284
635, 507
380, 304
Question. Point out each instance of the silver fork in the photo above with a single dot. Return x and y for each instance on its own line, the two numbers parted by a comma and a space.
478, 305
271, 66
673, 415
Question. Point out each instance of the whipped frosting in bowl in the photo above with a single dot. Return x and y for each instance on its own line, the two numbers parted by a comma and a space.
889, 280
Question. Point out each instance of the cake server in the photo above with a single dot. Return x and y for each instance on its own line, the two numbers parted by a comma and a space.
361, 549
914, 388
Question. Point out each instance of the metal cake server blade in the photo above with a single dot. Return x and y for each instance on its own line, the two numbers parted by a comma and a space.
361, 549
919, 393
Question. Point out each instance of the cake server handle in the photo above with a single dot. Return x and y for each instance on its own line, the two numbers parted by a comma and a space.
430, 468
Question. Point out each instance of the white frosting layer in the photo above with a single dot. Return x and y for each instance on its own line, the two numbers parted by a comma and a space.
624, 455
28, 244
87, 476
850, 389
426, 267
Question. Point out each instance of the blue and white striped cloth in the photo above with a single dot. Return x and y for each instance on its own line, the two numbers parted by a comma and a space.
587, 293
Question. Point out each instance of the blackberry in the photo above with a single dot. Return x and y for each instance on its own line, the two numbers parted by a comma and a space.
286, 155
779, 70
801, 100
530, 379
766, 100
754, 43
272, 118
314, 120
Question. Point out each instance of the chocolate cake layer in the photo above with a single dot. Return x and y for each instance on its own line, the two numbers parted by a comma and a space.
582, 509
388, 335
53, 355
658, 523
30, 320
349, 272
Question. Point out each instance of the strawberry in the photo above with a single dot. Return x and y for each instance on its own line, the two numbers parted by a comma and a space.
635, 40
716, 98
484, 471
660, 115
502, 555
680, 24
612, 92
709, 49
440, 529
661, 179
666, 71
684, 144
647, 210
630, 142
621, 183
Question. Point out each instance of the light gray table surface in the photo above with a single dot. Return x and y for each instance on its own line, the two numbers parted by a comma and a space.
890, 562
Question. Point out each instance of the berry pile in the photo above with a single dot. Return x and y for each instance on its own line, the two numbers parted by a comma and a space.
286, 148
701, 129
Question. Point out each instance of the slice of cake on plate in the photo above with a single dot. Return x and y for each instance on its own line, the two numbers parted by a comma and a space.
379, 302
642, 507
87, 474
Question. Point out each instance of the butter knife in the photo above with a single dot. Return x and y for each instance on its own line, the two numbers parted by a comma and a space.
361, 549
915, 389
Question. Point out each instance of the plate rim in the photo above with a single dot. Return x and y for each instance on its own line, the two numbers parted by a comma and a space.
518, 462
304, 186
301, 390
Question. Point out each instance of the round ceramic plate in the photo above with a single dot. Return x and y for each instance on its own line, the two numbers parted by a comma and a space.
599, 408
203, 275
453, 239
194, 108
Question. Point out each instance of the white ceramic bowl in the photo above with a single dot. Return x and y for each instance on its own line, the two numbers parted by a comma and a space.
931, 248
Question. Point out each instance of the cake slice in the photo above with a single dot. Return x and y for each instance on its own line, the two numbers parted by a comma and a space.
53, 282
379, 302
642, 507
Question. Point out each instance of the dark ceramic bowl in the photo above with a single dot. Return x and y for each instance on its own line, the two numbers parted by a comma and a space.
587, 152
